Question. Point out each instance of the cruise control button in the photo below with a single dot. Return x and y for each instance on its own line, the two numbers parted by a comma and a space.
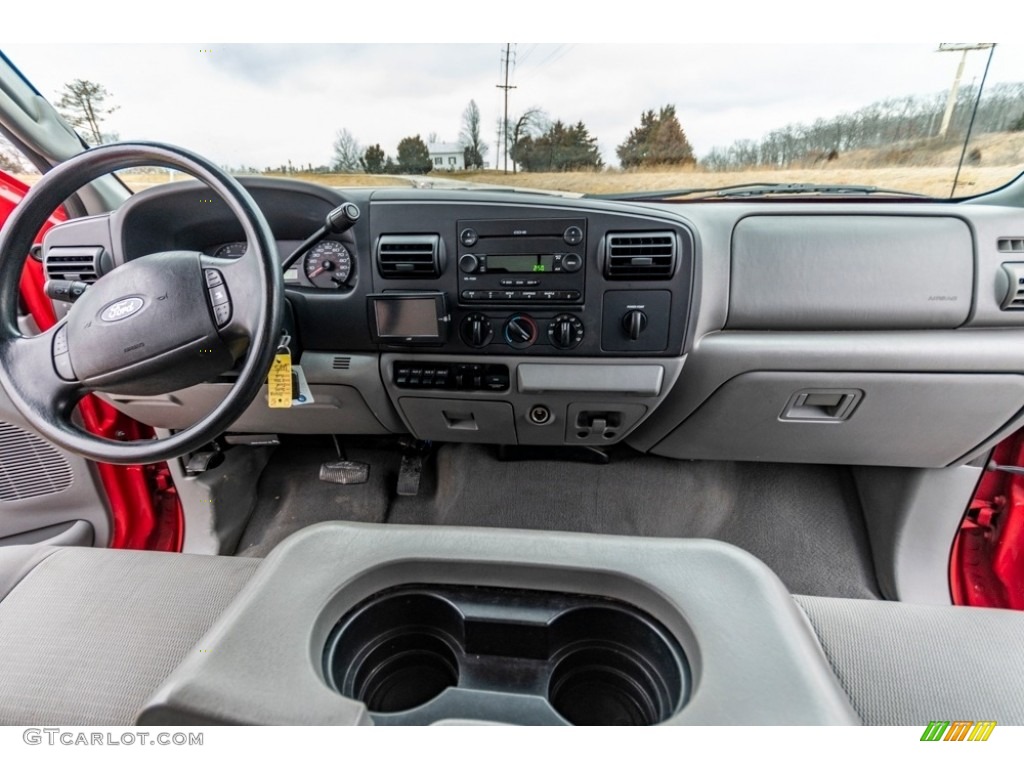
219, 295
60, 341
62, 364
213, 278
222, 313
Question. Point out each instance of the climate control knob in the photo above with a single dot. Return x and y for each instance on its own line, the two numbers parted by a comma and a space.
565, 331
520, 331
476, 330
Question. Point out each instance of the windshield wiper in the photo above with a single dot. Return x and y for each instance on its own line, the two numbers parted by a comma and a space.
760, 190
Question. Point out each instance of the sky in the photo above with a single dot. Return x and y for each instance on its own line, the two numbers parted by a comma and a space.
266, 104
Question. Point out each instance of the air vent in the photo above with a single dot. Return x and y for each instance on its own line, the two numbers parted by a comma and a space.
73, 264
1014, 298
1011, 244
409, 256
640, 256
30, 467
341, 363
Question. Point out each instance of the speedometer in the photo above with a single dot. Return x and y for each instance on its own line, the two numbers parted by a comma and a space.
328, 264
231, 250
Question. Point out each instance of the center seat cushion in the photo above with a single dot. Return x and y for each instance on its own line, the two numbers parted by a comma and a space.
88, 635
904, 664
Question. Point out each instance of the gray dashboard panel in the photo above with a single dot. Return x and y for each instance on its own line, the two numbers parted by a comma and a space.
754, 657
850, 272
901, 419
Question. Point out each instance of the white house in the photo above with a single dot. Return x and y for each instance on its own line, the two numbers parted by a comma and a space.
447, 157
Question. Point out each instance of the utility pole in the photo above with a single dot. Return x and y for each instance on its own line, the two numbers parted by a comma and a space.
506, 87
951, 101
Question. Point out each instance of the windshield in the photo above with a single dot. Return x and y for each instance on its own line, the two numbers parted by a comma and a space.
939, 119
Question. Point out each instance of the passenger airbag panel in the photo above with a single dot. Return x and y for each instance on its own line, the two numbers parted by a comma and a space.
850, 272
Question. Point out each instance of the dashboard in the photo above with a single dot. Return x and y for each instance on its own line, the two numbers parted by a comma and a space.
857, 333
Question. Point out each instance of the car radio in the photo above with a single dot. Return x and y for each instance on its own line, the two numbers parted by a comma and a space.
532, 261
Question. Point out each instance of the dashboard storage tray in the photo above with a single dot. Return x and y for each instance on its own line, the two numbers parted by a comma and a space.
419, 654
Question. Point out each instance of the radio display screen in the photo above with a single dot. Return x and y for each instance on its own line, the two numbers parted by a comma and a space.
539, 263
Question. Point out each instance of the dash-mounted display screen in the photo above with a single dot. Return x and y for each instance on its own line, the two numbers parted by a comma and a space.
519, 263
410, 318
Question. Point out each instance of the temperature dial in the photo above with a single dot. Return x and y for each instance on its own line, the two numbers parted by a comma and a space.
565, 331
476, 330
520, 331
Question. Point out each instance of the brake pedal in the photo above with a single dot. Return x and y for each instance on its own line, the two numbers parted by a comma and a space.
344, 472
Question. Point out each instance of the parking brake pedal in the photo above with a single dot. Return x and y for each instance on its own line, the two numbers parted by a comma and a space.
344, 472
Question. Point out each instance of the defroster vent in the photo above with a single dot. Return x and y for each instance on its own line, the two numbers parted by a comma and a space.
29, 466
640, 256
409, 256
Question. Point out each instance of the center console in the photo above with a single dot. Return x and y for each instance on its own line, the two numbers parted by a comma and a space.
349, 624
527, 324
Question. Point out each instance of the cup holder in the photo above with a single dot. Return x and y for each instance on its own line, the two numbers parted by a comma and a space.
415, 655
396, 654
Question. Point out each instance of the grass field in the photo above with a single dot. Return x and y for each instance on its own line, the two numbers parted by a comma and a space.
926, 167
936, 182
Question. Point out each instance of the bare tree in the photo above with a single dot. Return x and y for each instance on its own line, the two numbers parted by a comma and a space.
347, 152
469, 137
83, 104
10, 158
532, 121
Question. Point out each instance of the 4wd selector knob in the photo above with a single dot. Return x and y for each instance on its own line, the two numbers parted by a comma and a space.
565, 331
476, 330
520, 331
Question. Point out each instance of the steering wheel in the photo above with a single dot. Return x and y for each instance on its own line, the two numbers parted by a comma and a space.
159, 323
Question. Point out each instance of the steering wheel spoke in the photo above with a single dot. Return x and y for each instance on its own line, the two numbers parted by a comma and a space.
45, 377
234, 297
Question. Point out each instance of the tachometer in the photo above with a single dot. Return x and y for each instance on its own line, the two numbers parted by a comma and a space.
328, 264
231, 250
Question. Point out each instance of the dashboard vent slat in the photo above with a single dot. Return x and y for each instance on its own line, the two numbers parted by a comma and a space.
409, 256
640, 256
1013, 301
1010, 244
341, 363
73, 264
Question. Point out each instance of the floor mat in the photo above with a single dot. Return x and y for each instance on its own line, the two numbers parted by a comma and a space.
803, 521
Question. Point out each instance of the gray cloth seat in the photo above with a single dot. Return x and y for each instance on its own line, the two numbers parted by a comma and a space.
904, 664
88, 635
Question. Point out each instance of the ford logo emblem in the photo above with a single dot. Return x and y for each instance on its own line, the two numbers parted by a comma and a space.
121, 309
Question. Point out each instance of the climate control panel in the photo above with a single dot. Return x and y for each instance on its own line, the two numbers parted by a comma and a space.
521, 330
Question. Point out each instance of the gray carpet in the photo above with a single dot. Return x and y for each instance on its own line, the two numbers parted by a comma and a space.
803, 521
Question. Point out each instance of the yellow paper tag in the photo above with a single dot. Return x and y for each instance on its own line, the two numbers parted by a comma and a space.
279, 381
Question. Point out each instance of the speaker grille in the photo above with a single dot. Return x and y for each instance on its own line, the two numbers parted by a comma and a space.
30, 467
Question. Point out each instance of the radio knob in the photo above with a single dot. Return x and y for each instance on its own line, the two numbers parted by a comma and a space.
571, 262
520, 331
573, 235
565, 331
468, 237
468, 262
476, 330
